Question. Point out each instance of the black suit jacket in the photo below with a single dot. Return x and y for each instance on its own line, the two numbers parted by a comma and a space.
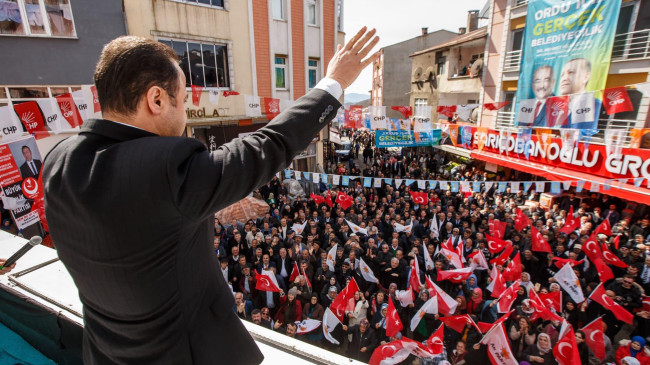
131, 214
26, 172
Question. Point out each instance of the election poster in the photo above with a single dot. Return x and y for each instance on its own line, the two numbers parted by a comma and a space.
566, 53
21, 167
389, 139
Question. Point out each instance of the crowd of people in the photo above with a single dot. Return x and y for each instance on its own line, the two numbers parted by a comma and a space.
460, 219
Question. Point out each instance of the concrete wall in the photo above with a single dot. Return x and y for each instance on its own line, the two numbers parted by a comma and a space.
63, 61
397, 67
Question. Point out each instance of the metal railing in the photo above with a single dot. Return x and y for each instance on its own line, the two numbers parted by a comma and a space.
506, 121
512, 61
632, 45
520, 2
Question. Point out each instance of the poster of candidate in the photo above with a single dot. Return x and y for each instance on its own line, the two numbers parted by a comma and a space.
22, 185
566, 49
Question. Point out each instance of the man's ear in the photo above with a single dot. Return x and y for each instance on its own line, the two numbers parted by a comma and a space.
155, 100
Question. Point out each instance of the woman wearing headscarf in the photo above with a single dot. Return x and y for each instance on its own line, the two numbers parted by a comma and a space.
634, 348
540, 352
462, 305
470, 284
475, 302
313, 310
378, 323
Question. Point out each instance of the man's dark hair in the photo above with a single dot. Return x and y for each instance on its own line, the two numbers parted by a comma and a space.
22, 149
128, 67
256, 311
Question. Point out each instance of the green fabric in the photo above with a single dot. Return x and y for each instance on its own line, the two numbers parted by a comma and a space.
15, 350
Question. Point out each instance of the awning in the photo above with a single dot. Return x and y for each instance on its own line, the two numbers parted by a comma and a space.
626, 191
459, 151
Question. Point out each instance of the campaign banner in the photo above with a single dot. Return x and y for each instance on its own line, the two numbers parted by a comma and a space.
20, 179
566, 51
388, 139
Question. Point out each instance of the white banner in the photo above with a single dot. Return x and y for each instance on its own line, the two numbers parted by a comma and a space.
253, 106
526, 114
213, 96
9, 124
52, 114
570, 283
581, 107
378, 118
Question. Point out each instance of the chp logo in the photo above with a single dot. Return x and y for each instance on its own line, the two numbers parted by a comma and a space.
558, 108
615, 98
30, 188
66, 109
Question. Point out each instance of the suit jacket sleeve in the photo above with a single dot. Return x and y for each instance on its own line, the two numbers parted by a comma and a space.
203, 182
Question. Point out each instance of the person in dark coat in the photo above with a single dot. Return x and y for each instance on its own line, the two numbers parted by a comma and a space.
363, 341
540, 352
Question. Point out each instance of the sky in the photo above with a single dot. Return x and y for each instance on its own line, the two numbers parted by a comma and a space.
395, 24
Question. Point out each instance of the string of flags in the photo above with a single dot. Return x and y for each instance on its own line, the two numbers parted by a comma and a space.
553, 187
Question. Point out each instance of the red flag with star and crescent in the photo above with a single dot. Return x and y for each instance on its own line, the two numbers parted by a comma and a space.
595, 338
503, 257
344, 200
539, 244
455, 276
420, 198
610, 258
566, 349
497, 228
328, 199
513, 271
521, 220
494, 243
341, 301
508, 297
604, 228
406, 111
458, 323
552, 300
264, 283
435, 342
393, 322
317, 198
571, 223
560, 262
600, 297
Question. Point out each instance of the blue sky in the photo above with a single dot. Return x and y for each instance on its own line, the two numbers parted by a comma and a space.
395, 24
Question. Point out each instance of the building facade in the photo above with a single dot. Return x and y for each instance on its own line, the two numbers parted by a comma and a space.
391, 72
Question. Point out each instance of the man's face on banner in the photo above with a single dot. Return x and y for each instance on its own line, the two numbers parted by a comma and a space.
574, 77
27, 153
543, 82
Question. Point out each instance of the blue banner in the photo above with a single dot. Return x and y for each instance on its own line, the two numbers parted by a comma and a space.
566, 52
388, 139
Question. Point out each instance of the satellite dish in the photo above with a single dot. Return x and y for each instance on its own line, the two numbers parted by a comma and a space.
477, 66
474, 115
417, 74
429, 74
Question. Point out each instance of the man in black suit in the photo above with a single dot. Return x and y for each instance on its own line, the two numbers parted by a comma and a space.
131, 206
31, 167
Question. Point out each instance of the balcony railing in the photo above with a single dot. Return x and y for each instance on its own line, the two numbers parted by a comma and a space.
520, 2
632, 45
512, 61
506, 121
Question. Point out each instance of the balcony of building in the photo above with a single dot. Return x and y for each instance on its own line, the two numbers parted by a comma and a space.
506, 121
518, 8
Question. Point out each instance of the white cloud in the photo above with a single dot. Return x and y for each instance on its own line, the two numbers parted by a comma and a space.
397, 21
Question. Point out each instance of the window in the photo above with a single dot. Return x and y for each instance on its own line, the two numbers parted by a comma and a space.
278, 9
517, 40
419, 107
280, 72
440, 63
311, 12
476, 57
218, 3
26, 17
204, 64
312, 69
339, 16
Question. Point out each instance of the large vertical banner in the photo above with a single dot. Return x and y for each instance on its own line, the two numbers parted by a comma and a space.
567, 48
20, 178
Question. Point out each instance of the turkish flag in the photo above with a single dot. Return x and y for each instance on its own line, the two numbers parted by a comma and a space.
390, 353
616, 100
196, 94
610, 258
32, 118
570, 223
406, 111
604, 272
271, 107
69, 110
616, 241
229, 93
435, 342
604, 228
560, 262
448, 110
521, 220
306, 279
495, 244
393, 323
499, 285
328, 199
513, 271
552, 300
295, 272
600, 297
592, 249
497, 228
265, 283
541, 310
595, 338
420, 198
341, 301
557, 111
503, 257
477, 259
508, 297
344, 200
455, 276
495, 106
446, 304
96, 107
353, 116
566, 350
457, 323
414, 276
317, 198
539, 244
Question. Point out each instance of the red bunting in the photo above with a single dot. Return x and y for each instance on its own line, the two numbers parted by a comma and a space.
96, 107
229, 93
406, 111
495, 106
196, 94
271, 107
557, 110
31, 117
69, 110
447, 110
616, 100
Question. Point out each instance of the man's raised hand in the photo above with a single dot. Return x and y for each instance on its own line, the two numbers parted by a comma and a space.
348, 61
